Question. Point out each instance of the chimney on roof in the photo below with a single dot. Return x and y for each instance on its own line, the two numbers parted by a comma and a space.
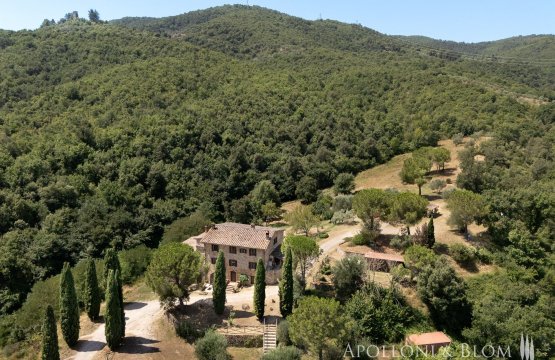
206, 227
214, 226
267, 234
253, 226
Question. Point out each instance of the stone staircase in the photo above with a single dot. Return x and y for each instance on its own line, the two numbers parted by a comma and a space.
229, 288
270, 337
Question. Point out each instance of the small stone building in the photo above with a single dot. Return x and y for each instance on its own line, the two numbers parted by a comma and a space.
242, 245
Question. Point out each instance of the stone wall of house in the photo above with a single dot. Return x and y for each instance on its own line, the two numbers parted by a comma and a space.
243, 259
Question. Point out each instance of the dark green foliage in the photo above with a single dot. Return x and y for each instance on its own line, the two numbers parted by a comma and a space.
344, 183
381, 315
69, 307
445, 294
307, 190
415, 169
112, 134
430, 234
111, 262
183, 228
91, 292
318, 323
505, 306
218, 293
304, 250
134, 263
213, 346
283, 333
462, 254
107, 154
173, 269
348, 275
283, 353
259, 289
286, 285
112, 317
407, 209
322, 207
50, 350
94, 16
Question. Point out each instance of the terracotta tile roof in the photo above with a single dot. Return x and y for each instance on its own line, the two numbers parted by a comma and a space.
431, 338
384, 256
242, 235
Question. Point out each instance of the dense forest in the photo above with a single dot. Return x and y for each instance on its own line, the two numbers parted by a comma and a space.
111, 131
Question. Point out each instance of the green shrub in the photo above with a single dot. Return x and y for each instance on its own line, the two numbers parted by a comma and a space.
323, 235
183, 228
365, 237
484, 256
343, 217
187, 331
359, 239
283, 333
462, 254
134, 262
243, 280
401, 242
342, 202
283, 353
213, 346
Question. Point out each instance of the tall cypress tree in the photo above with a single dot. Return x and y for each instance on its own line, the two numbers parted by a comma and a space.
218, 292
50, 349
430, 236
91, 291
112, 317
120, 295
69, 307
259, 289
111, 262
286, 286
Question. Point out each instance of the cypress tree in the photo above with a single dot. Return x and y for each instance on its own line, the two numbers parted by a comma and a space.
112, 317
50, 336
111, 262
218, 292
120, 295
259, 289
91, 291
69, 307
286, 286
430, 236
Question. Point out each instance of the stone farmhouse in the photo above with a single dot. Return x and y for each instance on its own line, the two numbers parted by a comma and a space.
242, 245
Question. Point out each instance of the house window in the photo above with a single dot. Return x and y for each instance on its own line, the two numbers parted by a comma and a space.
232, 262
215, 247
275, 241
213, 260
252, 279
243, 251
252, 265
232, 250
252, 252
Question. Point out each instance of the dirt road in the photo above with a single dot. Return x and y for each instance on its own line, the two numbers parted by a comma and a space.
141, 317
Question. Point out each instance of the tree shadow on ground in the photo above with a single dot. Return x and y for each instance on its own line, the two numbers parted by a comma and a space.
240, 314
138, 345
134, 305
89, 345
